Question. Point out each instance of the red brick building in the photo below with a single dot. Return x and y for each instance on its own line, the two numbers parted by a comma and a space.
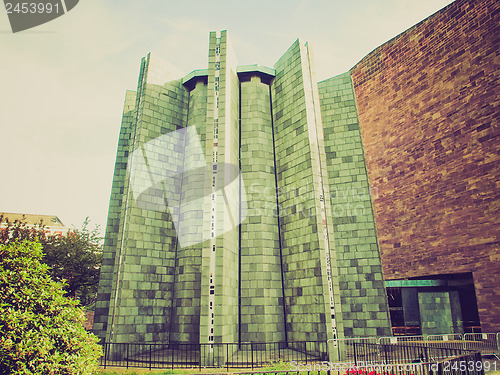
428, 103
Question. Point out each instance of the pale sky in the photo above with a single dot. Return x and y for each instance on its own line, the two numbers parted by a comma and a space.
63, 83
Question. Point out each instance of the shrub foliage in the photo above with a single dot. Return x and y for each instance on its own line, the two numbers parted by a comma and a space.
75, 257
41, 330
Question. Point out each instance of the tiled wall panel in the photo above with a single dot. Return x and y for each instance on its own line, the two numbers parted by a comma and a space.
364, 300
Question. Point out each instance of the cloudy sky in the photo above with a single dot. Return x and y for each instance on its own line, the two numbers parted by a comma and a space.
63, 83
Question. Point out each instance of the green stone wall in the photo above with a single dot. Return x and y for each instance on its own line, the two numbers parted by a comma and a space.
227, 262
439, 312
141, 294
178, 265
262, 318
364, 301
185, 326
225, 275
114, 216
303, 252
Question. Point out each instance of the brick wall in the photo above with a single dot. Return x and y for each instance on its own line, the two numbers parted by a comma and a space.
428, 105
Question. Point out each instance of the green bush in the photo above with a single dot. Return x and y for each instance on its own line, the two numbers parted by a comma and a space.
74, 258
41, 331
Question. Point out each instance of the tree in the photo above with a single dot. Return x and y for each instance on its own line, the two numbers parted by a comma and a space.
12, 231
75, 257
41, 330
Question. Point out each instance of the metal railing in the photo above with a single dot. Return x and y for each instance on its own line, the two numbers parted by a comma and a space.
386, 350
402, 353
469, 364
486, 343
426, 359
245, 355
345, 350
407, 340
455, 340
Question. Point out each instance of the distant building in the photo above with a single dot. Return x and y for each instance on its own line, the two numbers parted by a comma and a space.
52, 224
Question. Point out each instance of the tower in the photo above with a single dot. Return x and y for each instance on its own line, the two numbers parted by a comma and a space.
240, 209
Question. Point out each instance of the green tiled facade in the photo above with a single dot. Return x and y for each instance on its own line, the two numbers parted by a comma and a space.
185, 324
299, 165
363, 296
262, 318
449, 318
114, 216
219, 322
229, 217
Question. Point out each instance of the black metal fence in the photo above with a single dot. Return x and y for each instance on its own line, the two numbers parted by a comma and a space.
246, 355
469, 364
400, 353
415, 359
364, 358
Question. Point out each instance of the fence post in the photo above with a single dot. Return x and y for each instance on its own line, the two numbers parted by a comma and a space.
479, 358
305, 350
355, 354
227, 357
251, 349
467, 361
105, 353
428, 359
150, 352
128, 345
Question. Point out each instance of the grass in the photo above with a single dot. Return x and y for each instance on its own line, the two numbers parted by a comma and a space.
141, 371
494, 369
124, 371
